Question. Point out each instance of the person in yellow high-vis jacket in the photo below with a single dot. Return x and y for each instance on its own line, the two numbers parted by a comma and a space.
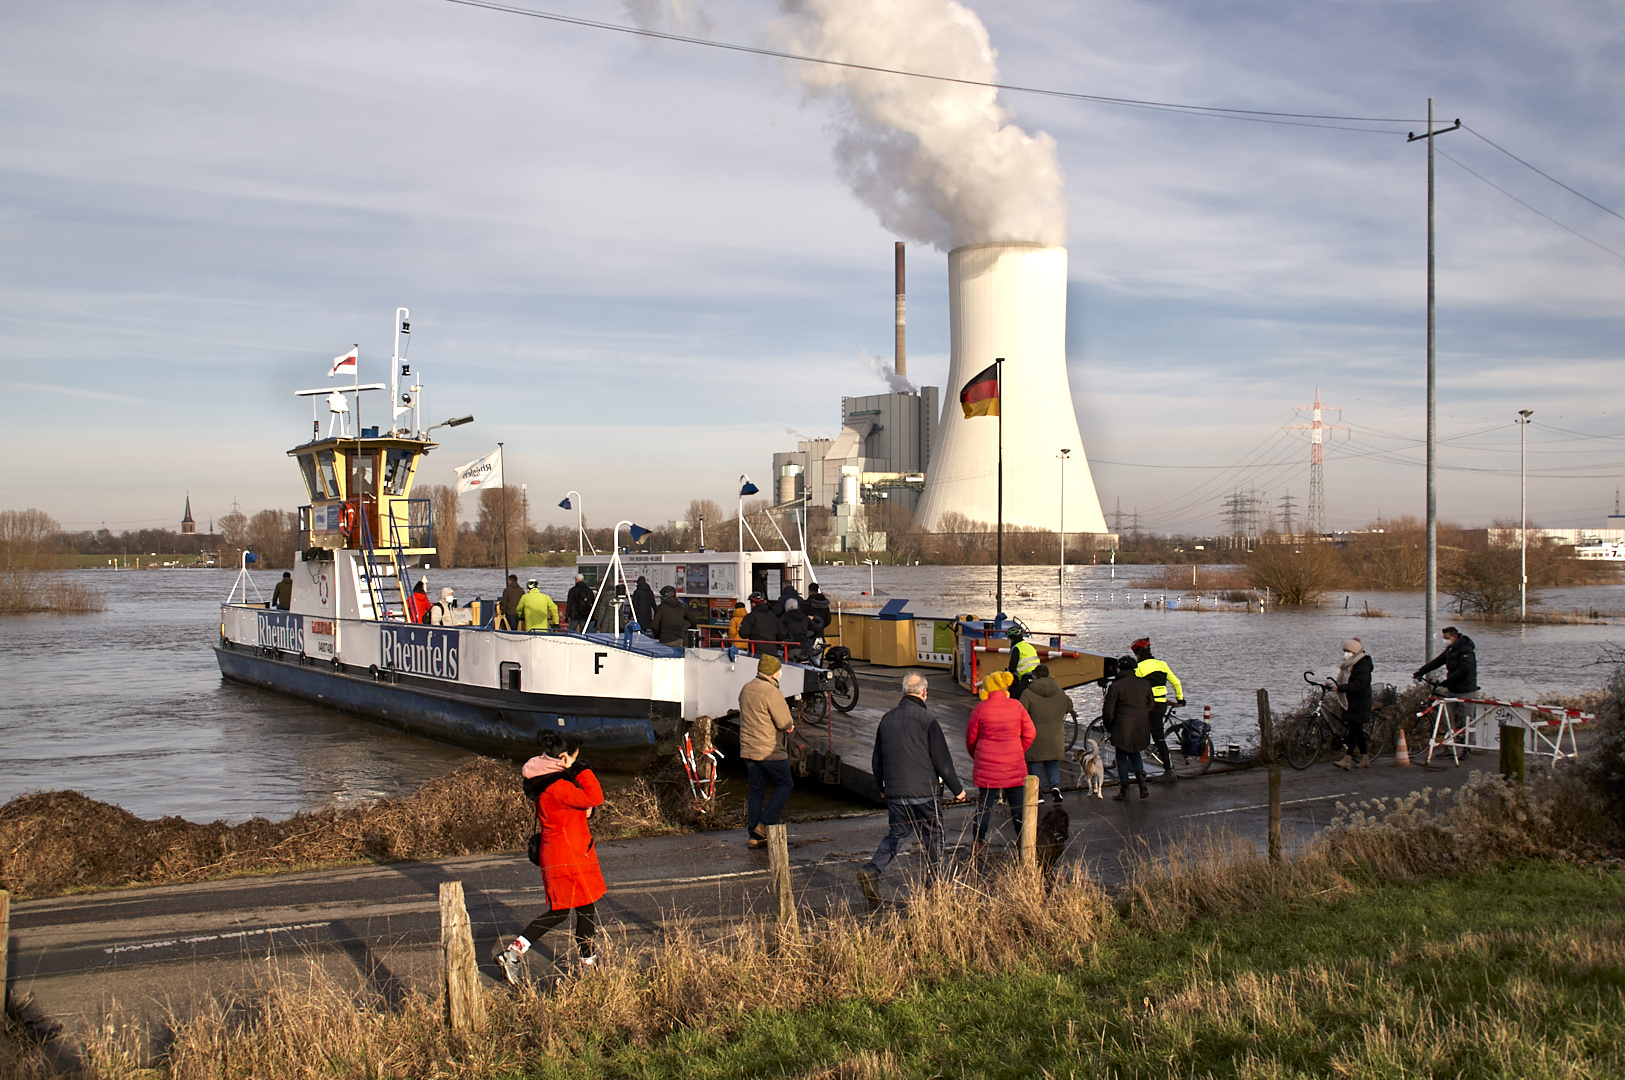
1023, 662
536, 609
1161, 677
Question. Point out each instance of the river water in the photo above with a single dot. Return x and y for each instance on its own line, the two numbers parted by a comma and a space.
128, 706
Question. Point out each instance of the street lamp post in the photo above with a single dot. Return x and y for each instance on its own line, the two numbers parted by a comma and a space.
745, 488
1523, 515
1061, 589
581, 528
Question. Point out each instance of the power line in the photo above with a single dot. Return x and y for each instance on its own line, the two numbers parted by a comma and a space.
1262, 116
1526, 206
1547, 175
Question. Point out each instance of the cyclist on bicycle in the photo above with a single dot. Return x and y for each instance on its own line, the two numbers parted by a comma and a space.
1354, 684
1159, 675
1023, 662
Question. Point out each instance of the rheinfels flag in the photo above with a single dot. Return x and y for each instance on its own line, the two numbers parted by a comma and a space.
485, 472
981, 395
348, 360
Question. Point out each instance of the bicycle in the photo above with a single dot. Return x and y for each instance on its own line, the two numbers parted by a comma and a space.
1455, 724
840, 687
1325, 727
1190, 744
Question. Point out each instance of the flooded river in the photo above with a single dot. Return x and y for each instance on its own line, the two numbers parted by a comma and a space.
128, 706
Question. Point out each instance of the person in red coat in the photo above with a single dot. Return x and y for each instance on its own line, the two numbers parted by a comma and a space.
998, 735
565, 791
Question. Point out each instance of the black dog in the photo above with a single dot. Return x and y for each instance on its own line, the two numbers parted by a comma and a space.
1053, 829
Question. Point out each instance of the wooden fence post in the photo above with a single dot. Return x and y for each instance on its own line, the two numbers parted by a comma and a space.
1275, 814
1029, 821
5, 957
1266, 727
459, 971
1512, 739
778, 854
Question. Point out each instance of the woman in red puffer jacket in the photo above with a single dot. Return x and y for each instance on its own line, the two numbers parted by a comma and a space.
997, 737
565, 793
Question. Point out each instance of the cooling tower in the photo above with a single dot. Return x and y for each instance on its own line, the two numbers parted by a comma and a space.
1008, 300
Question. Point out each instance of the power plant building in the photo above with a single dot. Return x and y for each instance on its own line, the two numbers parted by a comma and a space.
880, 455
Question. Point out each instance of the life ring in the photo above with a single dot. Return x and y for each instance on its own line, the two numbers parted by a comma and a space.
347, 518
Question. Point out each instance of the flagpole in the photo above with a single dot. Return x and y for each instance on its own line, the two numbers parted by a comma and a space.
502, 468
998, 599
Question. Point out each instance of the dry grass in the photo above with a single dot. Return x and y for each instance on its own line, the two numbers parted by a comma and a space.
310, 1027
59, 841
1180, 578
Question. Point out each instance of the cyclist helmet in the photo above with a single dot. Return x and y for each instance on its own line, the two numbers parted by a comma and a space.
1140, 643
758, 598
669, 590
1126, 665
1016, 633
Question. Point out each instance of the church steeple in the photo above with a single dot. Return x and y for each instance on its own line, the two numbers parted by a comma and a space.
188, 526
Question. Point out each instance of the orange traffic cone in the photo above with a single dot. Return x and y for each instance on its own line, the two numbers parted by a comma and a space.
1402, 753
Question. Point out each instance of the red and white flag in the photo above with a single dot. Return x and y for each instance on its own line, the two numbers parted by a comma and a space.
348, 360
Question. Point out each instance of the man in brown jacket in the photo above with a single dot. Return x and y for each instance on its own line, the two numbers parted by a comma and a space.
764, 720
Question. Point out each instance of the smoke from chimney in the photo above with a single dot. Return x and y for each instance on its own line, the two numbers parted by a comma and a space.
900, 344
940, 163
897, 384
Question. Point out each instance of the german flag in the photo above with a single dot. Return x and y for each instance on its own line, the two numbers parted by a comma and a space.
981, 395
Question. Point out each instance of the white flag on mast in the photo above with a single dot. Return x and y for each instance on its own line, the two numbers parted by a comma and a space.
348, 360
485, 472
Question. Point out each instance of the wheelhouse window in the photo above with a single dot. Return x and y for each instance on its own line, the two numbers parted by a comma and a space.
327, 473
397, 471
307, 466
363, 475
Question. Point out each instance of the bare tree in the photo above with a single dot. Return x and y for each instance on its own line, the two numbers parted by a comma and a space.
27, 533
1296, 574
272, 535
499, 505
443, 499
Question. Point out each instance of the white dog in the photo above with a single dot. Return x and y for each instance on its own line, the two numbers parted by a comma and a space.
1094, 768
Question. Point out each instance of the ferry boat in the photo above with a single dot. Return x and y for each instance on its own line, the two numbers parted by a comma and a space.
345, 640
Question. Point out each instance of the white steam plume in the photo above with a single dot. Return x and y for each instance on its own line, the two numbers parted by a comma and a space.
882, 368
940, 163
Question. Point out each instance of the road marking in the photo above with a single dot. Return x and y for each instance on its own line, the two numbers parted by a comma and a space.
238, 934
1266, 806
686, 880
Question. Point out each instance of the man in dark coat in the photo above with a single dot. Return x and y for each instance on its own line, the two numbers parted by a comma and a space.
761, 625
282, 595
578, 605
818, 613
1128, 721
793, 618
671, 620
910, 757
643, 604
1460, 663
511, 595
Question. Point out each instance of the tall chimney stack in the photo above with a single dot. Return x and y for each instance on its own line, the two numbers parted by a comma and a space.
901, 350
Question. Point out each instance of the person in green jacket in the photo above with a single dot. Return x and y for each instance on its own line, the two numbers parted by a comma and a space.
1048, 705
537, 611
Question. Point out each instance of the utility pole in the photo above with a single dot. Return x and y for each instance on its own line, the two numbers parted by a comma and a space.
1523, 515
1314, 520
1431, 603
1286, 514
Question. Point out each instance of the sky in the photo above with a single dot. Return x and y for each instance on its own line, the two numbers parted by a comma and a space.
640, 265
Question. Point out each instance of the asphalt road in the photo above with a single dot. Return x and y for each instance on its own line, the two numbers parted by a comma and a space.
146, 956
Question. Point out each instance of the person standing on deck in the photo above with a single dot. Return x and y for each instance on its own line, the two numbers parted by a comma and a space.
417, 603
670, 622
509, 603
643, 604
764, 721
578, 605
1160, 676
818, 613
282, 595
793, 618
909, 760
536, 609
565, 792
762, 628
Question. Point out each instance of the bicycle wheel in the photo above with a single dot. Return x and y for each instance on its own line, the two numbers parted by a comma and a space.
1070, 727
1304, 743
1379, 735
844, 687
814, 709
